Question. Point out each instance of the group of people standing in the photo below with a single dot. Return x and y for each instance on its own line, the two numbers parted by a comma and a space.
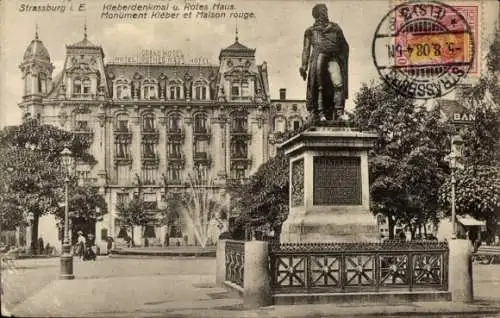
85, 247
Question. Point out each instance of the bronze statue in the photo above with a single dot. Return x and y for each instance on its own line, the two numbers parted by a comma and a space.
325, 56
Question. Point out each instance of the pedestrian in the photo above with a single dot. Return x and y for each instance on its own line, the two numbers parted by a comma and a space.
89, 253
80, 247
167, 239
40, 246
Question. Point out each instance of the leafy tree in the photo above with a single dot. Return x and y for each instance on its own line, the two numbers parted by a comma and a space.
135, 213
264, 197
28, 180
86, 205
406, 165
30, 164
477, 192
478, 183
172, 212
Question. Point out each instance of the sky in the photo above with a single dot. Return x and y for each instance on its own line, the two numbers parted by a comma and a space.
276, 33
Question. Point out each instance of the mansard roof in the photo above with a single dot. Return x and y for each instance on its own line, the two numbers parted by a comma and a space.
237, 50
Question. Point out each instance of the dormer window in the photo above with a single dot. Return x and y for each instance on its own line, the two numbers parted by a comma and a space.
77, 86
235, 91
240, 90
201, 90
122, 89
200, 93
149, 90
82, 125
86, 86
175, 92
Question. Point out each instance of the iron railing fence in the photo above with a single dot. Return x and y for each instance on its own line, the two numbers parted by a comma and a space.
235, 262
358, 267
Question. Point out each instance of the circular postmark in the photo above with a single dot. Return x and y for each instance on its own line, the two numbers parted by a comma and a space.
423, 49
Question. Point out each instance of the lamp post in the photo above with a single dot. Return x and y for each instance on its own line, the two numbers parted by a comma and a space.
456, 152
66, 256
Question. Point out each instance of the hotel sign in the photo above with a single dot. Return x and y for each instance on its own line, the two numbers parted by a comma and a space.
160, 56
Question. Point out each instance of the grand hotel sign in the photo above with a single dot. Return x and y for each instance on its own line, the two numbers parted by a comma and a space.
160, 56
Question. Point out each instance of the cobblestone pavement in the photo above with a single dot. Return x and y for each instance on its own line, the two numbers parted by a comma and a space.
175, 287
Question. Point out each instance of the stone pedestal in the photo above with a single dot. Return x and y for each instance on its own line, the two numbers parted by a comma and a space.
257, 281
460, 270
220, 263
329, 189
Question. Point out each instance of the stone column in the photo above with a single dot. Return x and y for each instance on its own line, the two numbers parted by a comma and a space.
256, 280
220, 263
460, 270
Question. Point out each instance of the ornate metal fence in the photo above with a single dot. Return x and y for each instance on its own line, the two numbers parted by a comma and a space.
235, 261
355, 267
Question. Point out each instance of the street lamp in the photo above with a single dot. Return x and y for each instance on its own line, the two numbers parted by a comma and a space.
456, 152
66, 256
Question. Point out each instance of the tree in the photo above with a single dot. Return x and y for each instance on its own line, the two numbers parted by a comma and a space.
172, 212
478, 183
86, 206
406, 165
32, 171
134, 213
264, 197
28, 180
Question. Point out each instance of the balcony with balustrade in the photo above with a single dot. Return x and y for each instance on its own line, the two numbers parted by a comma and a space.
175, 134
176, 158
202, 133
150, 159
202, 158
123, 133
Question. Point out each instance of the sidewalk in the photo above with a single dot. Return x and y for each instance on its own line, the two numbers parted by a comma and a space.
197, 296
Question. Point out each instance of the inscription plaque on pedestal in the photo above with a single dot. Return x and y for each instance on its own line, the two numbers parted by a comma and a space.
337, 181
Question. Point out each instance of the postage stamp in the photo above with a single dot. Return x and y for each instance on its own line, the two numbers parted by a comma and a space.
423, 49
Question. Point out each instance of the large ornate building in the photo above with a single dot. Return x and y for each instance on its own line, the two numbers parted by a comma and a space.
156, 126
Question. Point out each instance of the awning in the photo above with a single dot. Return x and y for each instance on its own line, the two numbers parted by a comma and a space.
468, 220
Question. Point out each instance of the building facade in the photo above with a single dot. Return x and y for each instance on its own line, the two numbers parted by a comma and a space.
155, 127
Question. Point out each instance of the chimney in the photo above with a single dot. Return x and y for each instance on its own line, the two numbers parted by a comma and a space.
282, 93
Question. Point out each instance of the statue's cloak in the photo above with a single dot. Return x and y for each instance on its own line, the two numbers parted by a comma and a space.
328, 44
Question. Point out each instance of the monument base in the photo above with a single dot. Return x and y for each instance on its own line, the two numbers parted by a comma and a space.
329, 186
329, 227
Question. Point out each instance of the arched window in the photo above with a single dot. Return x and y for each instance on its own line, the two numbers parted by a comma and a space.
200, 123
149, 89
148, 122
42, 83
77, 86
174, 123
175, 89
122, 122
239, 123
122, 89
86, 86
175, 92
201, 90
239, 149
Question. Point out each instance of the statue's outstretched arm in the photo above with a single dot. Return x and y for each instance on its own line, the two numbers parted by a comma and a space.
305, 56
